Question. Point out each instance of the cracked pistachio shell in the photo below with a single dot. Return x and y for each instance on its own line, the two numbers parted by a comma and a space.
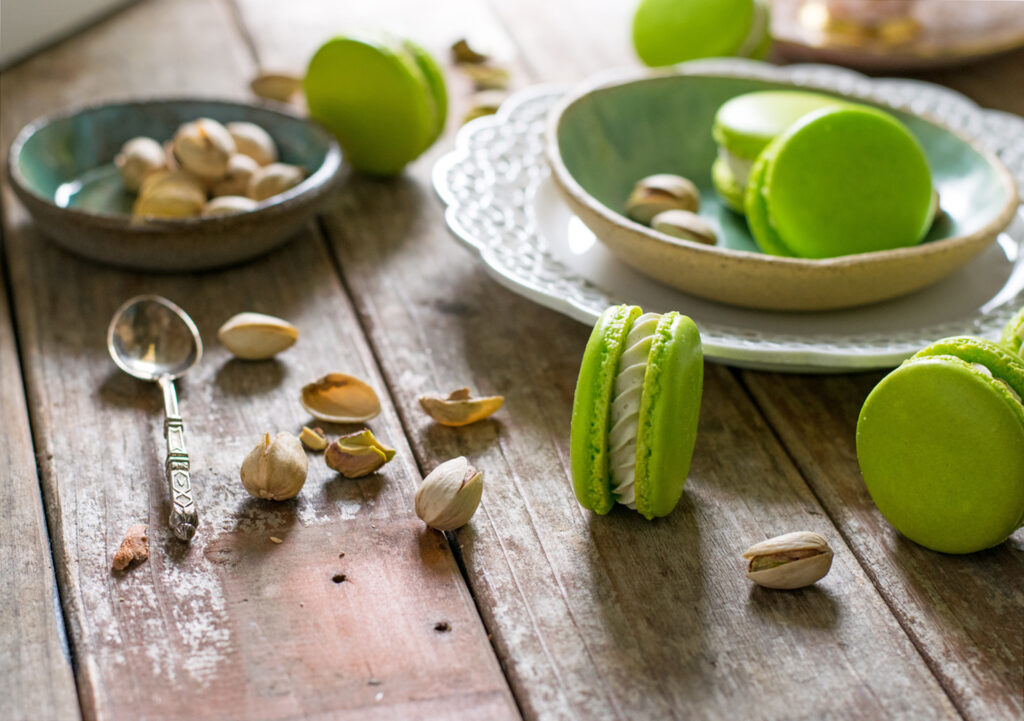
273, 179
686, 225
357, 454
450, 495
313, 438
275, 469
658, 193
228, 205
169, 194
203, 147
793, 560
138, 158
236, 180
253, 141
255, 336
459, 408
340, 398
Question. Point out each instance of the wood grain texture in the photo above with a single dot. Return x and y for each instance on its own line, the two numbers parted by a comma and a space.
339, 620
598, 617
965, 613
36, 682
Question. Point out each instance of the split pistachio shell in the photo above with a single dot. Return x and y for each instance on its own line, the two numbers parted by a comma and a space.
240, 172
657, 193
357, 454
686, 225
340, 398
450, 495
281, 87
313, 438
228, 205
169, 194
458, 408
203, 147
138, 158
253, 141
275, 469
793, 560
273, 179
255, 336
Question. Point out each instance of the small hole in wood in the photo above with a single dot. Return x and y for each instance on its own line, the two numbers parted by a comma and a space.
338, 577
442, 627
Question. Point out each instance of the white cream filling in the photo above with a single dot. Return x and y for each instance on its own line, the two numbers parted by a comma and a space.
739, 167
758, 28
625, 413
988, 371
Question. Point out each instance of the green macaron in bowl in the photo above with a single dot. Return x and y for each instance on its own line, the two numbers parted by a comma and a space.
940, 443
635, 411
621, 127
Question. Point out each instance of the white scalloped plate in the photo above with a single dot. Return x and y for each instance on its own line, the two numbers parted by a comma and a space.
502, 202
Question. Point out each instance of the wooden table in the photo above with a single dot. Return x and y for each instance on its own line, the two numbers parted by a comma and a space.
535, 609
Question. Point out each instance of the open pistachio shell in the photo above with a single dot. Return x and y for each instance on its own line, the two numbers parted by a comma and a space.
340, 398
459, 408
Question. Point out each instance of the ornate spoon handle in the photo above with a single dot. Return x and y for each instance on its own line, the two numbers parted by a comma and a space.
184, 518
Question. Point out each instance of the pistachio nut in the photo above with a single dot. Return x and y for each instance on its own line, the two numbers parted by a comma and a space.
281, 87
340, 398
357, 454
686, 225
255, 336
313, 438
239, 174
464, 53
228, 205
458, 408
657, 193
169, 194
275, 469
273, 179
793, 560
203, 147
449, 495
253, 141
487, 77
138, 158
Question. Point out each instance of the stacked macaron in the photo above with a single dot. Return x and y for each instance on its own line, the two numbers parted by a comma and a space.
635, 412
820, 177
940, 442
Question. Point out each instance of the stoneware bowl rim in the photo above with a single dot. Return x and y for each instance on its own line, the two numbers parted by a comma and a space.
615, 78
314, 185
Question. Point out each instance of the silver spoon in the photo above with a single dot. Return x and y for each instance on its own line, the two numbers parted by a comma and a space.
153, 339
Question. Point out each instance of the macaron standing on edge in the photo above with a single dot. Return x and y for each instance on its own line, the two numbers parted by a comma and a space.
635, 411
840, 181
666, 32
746, 124
940, 443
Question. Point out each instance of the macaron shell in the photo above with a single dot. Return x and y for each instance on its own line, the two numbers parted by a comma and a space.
669, 414
746, 124
729, 190
371, 93
435, 81
1002, 364
591, 408
942, 455
666, 32
1013, 334
842, 181
756, 209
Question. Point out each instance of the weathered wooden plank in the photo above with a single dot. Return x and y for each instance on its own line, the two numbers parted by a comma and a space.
36, 682
234, 625
965, 613
599, 617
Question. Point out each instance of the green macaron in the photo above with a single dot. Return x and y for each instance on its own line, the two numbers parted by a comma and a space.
666, 32
635, 412
1013, 334
940, 442
745, 125
383, 98
840, 181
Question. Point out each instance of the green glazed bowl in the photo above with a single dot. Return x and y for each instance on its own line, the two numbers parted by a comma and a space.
609, 134
61, 168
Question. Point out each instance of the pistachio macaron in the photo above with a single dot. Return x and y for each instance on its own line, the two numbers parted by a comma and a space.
840, 181
746, 124
635, 411
1013, 334
666, 32
940, 443
383, 97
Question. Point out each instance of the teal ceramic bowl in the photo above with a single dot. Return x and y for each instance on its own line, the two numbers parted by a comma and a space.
61, 168
606, 136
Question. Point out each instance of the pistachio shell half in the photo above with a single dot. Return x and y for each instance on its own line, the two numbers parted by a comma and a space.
459, 408
789, 561
255, 336
340, 398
